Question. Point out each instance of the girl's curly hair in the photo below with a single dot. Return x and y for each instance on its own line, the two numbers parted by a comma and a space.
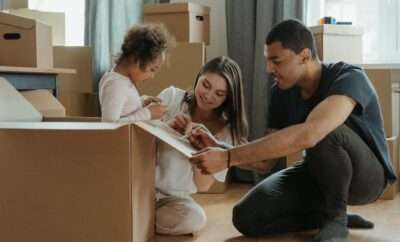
144, 43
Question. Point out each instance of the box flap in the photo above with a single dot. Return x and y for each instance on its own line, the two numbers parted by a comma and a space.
13, 106
162, 131
16, 21
45, 103
175, 8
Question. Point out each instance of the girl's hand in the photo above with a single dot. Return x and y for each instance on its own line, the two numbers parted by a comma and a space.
156, 110
149, 99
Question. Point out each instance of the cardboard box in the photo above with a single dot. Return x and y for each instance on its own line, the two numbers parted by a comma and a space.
78, 58
25, 42
75, 91
81, 182
11, 4
45, 103
391, 191
83, 105
77, 179
188, 22
179, 71
54, 19
14, 107
338, 43
386, 80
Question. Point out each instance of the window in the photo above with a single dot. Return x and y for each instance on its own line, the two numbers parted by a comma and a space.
398, 27
74, 17
380, 21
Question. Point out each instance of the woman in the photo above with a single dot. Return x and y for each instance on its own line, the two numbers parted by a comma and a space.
217, 103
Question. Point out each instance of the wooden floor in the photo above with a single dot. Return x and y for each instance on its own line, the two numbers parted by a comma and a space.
385, 215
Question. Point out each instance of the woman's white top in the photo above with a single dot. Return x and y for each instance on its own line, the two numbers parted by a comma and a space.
174, 173
120, 100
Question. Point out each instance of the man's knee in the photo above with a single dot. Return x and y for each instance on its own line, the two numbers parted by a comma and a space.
330, 141
245, 221
242, 221
330, 155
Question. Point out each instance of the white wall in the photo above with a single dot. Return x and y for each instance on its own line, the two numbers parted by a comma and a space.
218, 41
74, 17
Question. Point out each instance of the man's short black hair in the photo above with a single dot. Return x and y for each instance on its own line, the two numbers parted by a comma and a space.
293, 35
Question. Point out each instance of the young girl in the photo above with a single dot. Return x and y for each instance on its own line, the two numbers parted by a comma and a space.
217, 103
142, 53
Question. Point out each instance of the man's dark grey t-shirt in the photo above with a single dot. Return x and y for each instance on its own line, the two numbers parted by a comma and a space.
287, 107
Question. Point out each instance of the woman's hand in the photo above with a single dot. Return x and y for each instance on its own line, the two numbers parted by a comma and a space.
181, 123
200, 138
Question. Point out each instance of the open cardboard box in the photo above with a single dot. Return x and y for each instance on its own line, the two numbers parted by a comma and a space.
76, 181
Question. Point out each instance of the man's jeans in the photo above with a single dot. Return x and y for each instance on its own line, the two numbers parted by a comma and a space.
340, 170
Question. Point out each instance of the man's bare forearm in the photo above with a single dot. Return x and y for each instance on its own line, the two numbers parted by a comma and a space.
278, 144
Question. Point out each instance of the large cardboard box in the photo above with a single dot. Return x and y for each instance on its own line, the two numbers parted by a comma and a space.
338, 43
25, 42
391, 191
81, 182
386, 80
82, 104
188, 22
77, 180
78, 58
75, 91
54, 19
45, 103
179, 71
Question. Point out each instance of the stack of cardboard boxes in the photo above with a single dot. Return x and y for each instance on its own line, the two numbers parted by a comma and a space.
37, 39
28, 43
189, 23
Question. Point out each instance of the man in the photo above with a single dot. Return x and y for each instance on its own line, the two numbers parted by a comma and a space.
332, 112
